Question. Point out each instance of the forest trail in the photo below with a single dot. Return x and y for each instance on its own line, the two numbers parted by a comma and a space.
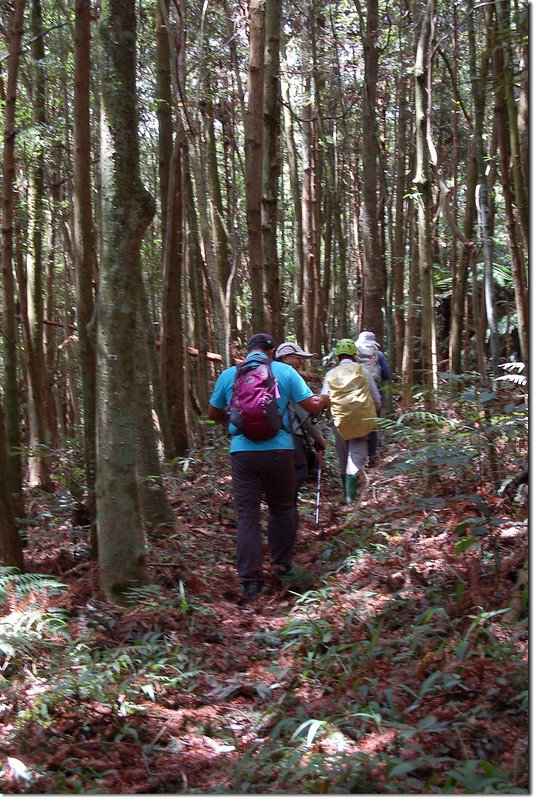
366, 674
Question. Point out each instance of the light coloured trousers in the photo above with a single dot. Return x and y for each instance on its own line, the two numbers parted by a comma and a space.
352, 454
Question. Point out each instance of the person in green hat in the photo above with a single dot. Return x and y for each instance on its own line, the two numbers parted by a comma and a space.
355, 404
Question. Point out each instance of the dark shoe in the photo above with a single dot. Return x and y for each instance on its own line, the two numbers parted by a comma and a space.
251, 588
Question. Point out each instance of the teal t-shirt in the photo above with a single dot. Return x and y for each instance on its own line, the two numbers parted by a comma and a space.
292, 387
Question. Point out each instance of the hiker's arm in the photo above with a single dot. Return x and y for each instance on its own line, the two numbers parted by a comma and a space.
315, 404
217, 414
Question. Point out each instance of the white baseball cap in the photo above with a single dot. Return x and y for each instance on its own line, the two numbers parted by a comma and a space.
291, 348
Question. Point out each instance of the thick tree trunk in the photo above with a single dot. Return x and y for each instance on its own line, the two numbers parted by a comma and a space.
9, 322
254, 160
128, 209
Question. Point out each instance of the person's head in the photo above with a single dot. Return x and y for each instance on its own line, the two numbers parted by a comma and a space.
366, 349
345, 348
261, 342
366, 338
291, 353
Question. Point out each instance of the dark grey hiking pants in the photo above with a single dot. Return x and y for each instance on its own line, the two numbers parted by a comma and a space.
270, 474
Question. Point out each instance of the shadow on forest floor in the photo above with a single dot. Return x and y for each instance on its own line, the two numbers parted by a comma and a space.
394, 674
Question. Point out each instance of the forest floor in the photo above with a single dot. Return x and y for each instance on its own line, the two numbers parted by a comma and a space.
395, 673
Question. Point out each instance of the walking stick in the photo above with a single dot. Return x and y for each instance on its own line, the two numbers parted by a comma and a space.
320, 458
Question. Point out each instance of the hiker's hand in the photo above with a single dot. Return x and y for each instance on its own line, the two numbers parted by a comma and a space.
321, 444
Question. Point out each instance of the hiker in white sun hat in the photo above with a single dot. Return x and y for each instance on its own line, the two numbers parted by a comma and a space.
306, 433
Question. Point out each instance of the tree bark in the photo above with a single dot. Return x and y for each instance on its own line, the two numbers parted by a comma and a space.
84, 247
422, 181
254, 159
128, 209
373, 260
11, 553
271, 167
482, 191
12, 412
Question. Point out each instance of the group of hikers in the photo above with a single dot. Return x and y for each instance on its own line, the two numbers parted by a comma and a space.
271, 414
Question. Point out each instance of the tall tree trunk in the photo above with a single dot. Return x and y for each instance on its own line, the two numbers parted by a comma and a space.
410, 334
219, 233
373, 260
518, 268
399, 246
84, 247
482, 192
254, 160
295, 189
12, 412
40, 432
128, 210
271, 167
11, 553
171, 156
422, 180
164, 107
502, 11
461, 286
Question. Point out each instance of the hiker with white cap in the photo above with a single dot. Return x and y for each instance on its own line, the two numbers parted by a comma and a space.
302, 424
372, 358
355, 401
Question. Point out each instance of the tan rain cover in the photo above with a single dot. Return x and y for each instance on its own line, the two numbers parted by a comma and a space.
352, 406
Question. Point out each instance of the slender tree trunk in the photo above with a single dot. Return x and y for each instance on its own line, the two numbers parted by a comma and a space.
295, 189
254, 160
218, 233
399, 245
502, 11
410, 334
164, 105
40, 433
12, 412
271, 167
373, 260
460, 291
422, 180
84, 247
518, 268
128, 209
172, 345
482, 192
11, 553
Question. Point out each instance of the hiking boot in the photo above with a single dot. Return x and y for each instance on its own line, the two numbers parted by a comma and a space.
350, 487
251, 588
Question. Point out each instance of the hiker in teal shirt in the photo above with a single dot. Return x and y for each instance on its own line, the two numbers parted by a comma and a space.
264, 468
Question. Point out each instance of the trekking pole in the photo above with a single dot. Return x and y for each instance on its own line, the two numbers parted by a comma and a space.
320, 458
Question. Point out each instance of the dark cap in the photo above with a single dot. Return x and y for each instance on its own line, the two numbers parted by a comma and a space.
262, 340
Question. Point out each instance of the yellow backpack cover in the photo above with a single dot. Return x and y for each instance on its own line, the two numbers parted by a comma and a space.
352, 406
